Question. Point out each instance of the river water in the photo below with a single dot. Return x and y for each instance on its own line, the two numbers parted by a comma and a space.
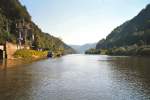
76, 77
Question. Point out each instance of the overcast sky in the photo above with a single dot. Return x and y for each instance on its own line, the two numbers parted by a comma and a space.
82, 21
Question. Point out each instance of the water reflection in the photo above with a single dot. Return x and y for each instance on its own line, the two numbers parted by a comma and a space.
3, 64
76, 77
132, 73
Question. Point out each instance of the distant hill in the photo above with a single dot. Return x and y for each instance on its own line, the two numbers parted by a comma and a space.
83, 48
11, 11
133, 32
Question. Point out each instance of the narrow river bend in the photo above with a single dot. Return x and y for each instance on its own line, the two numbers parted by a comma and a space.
77, 77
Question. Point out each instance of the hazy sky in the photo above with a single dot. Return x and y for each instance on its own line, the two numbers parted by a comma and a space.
82, 21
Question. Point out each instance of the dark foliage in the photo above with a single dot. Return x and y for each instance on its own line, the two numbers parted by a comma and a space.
92, 51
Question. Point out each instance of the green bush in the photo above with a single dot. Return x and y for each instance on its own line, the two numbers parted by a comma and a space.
92, 51
145, 51
23, 53
132, 50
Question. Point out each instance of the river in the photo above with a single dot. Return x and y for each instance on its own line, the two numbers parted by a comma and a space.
76, 77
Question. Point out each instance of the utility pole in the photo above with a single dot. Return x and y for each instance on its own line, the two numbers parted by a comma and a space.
23, 28
32, 38
19, 28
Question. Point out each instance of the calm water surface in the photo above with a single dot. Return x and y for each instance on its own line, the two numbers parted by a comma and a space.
76, 77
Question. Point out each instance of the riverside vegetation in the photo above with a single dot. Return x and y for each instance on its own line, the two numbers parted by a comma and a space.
30, 53
24, 53
134, 50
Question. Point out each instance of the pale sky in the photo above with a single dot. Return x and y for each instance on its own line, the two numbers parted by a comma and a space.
82, 21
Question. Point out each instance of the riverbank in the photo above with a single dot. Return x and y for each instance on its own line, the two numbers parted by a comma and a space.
133, 50
24, 53
26, 56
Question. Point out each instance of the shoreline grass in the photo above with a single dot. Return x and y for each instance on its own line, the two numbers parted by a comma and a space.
24, 53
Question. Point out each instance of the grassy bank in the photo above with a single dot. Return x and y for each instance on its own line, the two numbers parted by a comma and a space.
133, 50
130, 51
30, 54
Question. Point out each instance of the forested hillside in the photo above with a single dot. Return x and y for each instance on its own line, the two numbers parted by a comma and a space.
11, 11
131, 34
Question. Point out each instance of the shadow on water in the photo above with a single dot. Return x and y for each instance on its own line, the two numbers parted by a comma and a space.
16, 80
131, 74
3, 64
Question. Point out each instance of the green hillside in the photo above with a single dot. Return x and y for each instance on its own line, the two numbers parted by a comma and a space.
11, 11
131, 34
